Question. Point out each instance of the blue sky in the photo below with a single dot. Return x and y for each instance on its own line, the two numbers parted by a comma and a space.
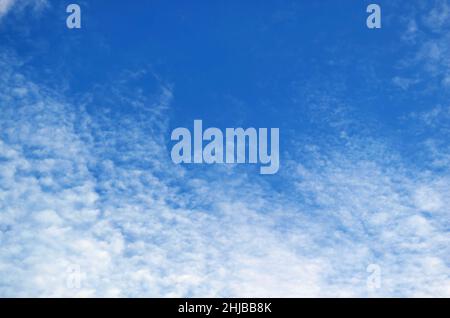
86, 179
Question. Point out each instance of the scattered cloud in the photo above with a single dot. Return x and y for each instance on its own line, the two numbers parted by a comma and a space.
8, 5
5, 6
91, 205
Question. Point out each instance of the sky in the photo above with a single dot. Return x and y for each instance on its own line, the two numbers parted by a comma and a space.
91, 204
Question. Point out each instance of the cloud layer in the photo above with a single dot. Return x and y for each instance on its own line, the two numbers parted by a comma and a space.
91, 205
8, 5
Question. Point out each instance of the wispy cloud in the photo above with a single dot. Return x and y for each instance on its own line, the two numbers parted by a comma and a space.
5, 6
426, 34
8, 5
90, 186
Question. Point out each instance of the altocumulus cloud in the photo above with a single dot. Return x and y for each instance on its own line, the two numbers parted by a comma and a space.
86, 185
77, 192
5, 5
8, 5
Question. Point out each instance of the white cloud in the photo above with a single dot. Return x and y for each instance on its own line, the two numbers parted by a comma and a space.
5, 6
374, 214
426, 34
428, 199
437, 19
404, 83
8, 5
93, 192
91, 187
